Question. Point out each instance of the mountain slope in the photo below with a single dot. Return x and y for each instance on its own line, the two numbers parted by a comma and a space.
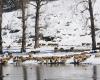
57, 19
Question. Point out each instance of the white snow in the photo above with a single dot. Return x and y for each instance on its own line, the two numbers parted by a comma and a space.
71, 60
10, 61
92, 60
30, 62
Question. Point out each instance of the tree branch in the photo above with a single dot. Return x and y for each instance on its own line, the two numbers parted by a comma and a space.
32, 4
44, 3
81, 3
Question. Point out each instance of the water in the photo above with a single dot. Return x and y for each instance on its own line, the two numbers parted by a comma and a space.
50, 72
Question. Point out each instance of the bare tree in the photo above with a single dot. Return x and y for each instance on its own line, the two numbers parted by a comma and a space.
1, 72
1, 11
38, 5
92, 25
91, 18
23, 3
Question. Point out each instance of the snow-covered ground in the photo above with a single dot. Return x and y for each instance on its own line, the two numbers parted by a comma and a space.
92, 60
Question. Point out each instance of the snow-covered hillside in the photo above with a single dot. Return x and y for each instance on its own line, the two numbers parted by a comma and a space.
58, 19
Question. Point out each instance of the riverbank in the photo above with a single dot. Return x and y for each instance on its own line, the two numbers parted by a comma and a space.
52, 58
